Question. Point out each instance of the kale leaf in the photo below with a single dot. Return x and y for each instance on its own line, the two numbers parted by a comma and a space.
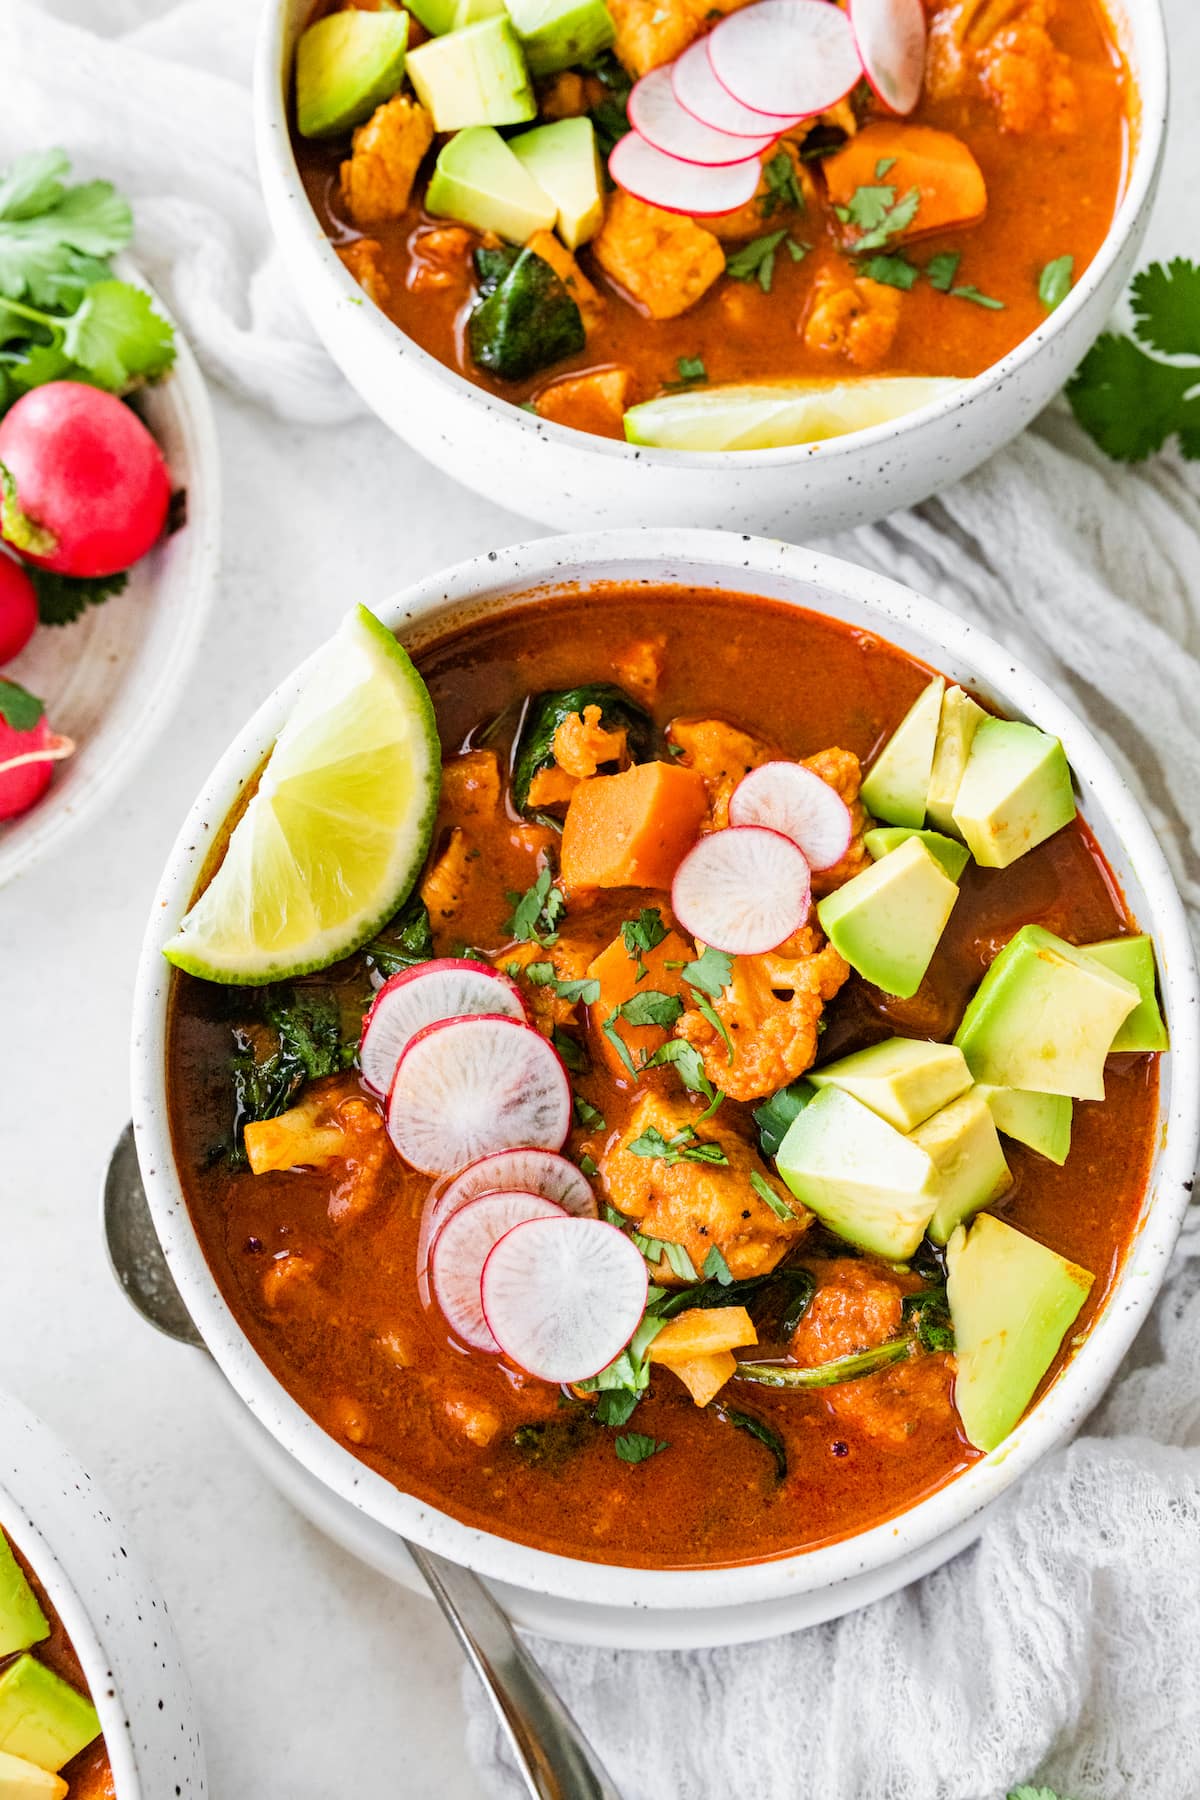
544, 714
404, 941
305, 1028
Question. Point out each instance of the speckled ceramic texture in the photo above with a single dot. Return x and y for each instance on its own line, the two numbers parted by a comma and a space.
111, 679
784, 1588
574, 481
61, 1523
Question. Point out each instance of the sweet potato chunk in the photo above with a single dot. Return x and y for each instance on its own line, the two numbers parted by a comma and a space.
595, 402
617, 973
705, 1376
664, 262
377, 180
631, 830
939, 165
703, 1331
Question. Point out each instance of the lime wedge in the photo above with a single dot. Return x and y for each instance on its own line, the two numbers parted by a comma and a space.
768, 415
334, 838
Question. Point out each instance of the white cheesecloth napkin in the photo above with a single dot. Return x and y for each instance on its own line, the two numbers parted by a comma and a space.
1066, 1644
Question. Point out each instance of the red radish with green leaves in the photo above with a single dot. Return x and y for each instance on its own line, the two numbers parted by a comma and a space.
742, 890
789, 798
464, 1087
448, 987
460, 1250
28, 750
84, 489
18, 608
562, 1297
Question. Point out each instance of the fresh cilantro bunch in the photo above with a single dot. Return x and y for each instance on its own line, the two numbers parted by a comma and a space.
63, 314
1131, 402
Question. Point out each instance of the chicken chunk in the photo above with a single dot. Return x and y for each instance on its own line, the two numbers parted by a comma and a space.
650, 32
445, 886
363, 258
894, 1405
858, 1304
699, 1204
595, 402
663, 261
851, 316
722, 755
1004, 50
440, 258
591, 304
377, 178
569, 960
771, 1010
774, 199
470, 788
638, 667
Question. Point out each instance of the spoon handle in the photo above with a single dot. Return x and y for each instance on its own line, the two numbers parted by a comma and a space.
552, 1753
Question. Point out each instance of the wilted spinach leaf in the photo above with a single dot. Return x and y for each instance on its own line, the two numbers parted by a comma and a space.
526, 319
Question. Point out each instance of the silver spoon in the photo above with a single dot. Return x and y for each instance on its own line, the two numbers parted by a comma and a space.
550, 1750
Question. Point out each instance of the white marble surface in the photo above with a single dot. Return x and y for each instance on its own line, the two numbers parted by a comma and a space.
314, 1677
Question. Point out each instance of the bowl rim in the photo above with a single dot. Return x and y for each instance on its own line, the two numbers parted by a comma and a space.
740, 563
1141, 21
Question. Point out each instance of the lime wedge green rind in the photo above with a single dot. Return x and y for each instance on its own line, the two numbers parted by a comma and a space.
332, 843
772, 415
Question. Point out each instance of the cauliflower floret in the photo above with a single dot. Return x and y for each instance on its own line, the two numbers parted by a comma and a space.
722, 755
440, 258
771, 1010
595, 402
1004, 49
851, 316
699, 1204
663, 261
330, 1124
581, 746
857, 1305
650, 32
363, 259
639, 666
842, 771
386, 152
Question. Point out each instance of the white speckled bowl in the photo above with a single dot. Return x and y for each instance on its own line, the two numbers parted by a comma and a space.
574, 481
593, 1601
52, 1511
111, 679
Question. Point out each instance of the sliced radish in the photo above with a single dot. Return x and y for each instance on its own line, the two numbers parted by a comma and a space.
742, 890
786, 57
462, 1247
677, 186
447, 988
562, 1297
506, 1171
890, 35
700, 93
656, 114
465, 1087
787, 797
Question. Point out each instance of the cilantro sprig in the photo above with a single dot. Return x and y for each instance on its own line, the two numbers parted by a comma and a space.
63, 314
755, 261
536, 912
1132, 402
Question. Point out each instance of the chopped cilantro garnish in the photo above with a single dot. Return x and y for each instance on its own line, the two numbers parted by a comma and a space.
883, 165
649, 1007
642, 935
755, 261
769, 1197
710, 972
690, 1064
682, 1146
635, 1447
589, 1116
942, 268
973, 294
616, 1406
588, 1166
783, 186
691, 372
716, 1268
1054, 282
536, 912
892, 269
571, 1050
877, 215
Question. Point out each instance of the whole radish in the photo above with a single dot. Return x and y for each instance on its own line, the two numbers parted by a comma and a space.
18, 608
28, 750
84, 489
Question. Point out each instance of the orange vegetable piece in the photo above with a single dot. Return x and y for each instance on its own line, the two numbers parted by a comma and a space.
616, 971
632, 829
937, 164
705, 1376
702, 1331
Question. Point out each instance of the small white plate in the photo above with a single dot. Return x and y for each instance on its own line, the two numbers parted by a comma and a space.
111, 680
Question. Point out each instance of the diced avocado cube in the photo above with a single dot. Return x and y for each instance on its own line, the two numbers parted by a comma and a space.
904, 1080
960, 719
1133, 957
864, 1179
962, 1144
1044, 1017
1015, 792
21, 1780
479, 181
43, 1719
22, 1621
887, 921
564, 161
476, 76
469, 12
881, 840
1012, 1301
1042, 1121
897, 784
347, 64
558, 34
437, 16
